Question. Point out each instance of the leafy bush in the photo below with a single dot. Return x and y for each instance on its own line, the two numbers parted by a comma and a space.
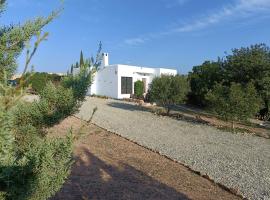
168, 90
55, 103
38, 80
79, 83
39, 172
235, 102
202, 79
244, 65
138, 89
32, 165
60, 101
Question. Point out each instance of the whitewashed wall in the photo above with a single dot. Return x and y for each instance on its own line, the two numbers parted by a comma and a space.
137, 73
167, 71
107, 80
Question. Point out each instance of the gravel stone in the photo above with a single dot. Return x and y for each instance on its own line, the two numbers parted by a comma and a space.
237, 161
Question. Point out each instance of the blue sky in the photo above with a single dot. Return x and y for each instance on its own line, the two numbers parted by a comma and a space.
158, 33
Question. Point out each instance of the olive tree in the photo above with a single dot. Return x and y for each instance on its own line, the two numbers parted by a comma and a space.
168, 90
234, 103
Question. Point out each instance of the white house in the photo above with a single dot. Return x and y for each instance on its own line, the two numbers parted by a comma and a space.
117, 81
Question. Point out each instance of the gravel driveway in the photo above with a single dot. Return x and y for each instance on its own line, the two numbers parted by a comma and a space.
238, 161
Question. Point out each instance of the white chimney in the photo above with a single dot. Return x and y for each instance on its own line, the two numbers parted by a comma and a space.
105, 59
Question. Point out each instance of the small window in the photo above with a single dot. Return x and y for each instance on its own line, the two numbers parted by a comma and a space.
126, 85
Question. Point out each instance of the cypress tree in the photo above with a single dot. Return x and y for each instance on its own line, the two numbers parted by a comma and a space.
71, 69
81, 59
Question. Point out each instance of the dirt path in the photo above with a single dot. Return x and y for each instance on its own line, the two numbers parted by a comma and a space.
110, 167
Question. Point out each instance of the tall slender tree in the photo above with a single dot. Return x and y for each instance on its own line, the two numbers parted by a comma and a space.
77, 65
81, 59
71, 69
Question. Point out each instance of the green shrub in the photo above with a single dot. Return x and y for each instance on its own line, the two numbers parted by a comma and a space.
235, 102
202, 79
39, 172
138, 89
32, 165
39, 80
60, 101
55, 104
168, 90
242, 65
79, 83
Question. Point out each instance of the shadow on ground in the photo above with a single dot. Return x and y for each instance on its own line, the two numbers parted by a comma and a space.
175, 112
92, 178
127, 106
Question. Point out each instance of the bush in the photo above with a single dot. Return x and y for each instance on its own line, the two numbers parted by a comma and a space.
38, 165
243, 65
79, 83
32, 165
202, 79
168, 90
39, 172
138, 89
60, 103
39, 80
55, 104
235, 102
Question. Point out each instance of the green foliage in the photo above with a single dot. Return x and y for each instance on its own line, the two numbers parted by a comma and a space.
202, 79
138, 89
245, 65
60, 101
250, 63
39, 80
168, 90
81, 59
13, 39
40, 172
235, 102
77, 65
71, 69
55, 103
32, 165
6, 139
80, 82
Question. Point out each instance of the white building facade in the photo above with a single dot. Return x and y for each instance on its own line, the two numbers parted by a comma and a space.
117, 81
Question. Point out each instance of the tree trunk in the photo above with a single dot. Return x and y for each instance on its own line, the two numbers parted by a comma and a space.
233, 127
168, 110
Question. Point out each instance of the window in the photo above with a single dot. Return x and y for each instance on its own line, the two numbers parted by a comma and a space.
126, 85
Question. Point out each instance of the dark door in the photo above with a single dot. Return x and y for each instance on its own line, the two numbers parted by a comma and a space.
126, 85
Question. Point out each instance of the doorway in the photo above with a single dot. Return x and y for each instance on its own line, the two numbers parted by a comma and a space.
144, 85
